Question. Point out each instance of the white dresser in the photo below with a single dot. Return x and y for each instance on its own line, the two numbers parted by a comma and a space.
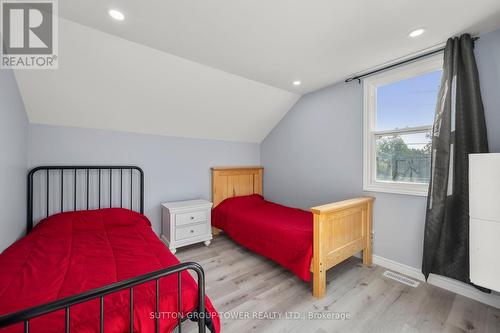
186, 222
484, 202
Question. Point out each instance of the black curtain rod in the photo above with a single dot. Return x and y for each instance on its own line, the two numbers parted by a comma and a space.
359, 77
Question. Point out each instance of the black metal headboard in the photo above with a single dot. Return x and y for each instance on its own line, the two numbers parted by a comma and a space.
58, 189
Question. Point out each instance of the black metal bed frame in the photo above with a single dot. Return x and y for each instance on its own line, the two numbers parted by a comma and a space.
24, 316
76, 168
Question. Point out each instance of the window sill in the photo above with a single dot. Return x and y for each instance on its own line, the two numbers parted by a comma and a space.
398, 188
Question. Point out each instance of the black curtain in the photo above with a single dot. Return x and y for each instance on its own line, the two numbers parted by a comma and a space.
459, 130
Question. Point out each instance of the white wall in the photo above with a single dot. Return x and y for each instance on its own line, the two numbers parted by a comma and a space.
175, 168
314, 156
13, 160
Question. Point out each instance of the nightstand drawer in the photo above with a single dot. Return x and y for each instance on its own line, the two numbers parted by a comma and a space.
191, 217
190, 231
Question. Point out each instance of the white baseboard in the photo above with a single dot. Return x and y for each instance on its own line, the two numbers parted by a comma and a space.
440, 281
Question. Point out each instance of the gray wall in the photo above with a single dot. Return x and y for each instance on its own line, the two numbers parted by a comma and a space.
315, 155
175, 168
488, 61
13, 160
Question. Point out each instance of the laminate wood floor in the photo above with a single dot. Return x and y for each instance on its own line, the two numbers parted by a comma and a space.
249, 289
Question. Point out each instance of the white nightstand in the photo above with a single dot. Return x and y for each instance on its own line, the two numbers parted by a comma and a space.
186, 222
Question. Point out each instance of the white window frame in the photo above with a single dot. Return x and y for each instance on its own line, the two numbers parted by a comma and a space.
370, 85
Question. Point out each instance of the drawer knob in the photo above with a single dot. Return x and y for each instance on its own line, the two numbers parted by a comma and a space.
192, 231
192, 217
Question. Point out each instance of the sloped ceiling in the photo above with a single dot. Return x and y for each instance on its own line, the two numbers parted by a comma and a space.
106, 82
223, 69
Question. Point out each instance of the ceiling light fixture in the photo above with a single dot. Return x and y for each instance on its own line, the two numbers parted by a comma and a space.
116, 14
297, 83
416, 32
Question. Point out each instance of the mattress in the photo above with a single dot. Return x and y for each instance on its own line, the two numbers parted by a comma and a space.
280, 233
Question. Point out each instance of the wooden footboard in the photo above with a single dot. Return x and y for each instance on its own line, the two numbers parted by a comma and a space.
341, 229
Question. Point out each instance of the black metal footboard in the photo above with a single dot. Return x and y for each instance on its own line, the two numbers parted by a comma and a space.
65, 303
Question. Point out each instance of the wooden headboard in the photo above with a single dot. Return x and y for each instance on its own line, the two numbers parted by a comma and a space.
232, 182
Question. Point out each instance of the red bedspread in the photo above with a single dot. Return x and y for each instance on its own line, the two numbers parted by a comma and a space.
280, 233
73, 252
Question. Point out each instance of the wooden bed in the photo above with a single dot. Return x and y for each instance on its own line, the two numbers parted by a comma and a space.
341, 229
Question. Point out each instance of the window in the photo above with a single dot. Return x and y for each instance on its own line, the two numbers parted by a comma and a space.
399, 108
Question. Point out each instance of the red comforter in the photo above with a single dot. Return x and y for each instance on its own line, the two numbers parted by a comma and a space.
73, 252
280, 233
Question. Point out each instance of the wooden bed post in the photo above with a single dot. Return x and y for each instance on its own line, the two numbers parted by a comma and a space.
319, 273
367, 252
341, 229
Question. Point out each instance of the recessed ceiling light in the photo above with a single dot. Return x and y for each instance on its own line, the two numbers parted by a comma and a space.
116, 14
297, 83
416, 32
